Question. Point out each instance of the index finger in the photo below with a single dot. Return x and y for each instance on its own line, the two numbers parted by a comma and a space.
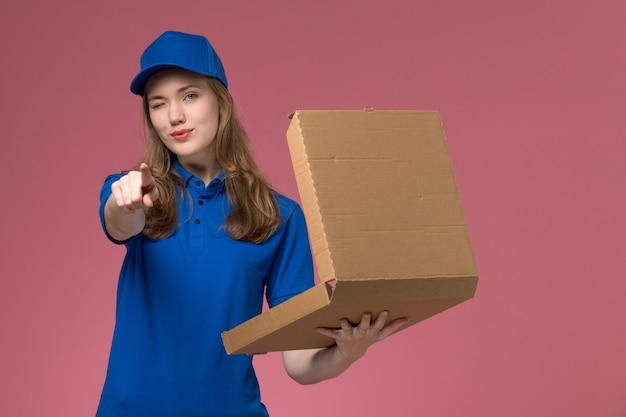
146, 176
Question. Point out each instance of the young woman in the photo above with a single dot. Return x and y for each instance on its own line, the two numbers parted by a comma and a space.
206, 238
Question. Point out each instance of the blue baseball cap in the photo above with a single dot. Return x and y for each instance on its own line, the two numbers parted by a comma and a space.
178, 50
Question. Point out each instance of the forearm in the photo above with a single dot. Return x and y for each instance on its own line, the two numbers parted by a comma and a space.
315, 365
351, 343
122, 224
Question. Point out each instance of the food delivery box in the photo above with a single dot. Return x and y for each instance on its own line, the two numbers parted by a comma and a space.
385, 224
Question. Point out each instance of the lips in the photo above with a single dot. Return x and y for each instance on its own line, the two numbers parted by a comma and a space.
181, 134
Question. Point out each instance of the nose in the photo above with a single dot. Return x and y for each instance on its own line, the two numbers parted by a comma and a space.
176, 115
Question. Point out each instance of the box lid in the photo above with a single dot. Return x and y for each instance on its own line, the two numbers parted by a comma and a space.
379, 195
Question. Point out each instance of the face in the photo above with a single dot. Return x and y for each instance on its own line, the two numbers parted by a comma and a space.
184, 111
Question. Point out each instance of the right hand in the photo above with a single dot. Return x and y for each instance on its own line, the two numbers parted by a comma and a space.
136, 190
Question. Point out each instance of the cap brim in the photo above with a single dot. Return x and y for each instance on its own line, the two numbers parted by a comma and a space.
139, 82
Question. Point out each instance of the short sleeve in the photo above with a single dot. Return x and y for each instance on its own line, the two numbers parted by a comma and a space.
105, 193
292, 269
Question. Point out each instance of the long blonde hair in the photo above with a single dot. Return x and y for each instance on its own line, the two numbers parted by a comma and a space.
254, 214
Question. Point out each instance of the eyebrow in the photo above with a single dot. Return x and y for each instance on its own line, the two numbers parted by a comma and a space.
180, 90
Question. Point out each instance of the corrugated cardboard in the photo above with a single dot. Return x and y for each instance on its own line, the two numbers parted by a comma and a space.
385, 223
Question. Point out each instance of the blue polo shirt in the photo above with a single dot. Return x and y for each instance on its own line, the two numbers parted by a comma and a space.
177, 295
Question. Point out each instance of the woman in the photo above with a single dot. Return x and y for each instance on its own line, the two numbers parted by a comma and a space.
206, 238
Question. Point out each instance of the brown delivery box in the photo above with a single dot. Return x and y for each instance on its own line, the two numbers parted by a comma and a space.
385, 223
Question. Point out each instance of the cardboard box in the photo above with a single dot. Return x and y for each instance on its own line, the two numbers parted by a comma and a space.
385, 223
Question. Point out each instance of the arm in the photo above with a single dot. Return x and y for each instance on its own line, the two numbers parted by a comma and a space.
131, 195
351, 342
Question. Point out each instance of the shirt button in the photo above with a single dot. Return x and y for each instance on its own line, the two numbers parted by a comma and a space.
201, 202
197, 183
197, 221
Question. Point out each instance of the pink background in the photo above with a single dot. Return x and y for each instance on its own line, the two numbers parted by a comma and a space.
532, 96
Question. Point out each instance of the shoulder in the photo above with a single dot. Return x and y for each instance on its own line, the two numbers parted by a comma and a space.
288, 207
111, 178
105, 191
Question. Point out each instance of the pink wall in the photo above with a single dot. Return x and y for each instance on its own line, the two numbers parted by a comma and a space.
532, 95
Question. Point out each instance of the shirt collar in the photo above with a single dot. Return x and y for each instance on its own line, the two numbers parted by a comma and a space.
188, 176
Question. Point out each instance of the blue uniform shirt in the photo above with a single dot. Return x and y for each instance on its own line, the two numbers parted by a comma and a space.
177, 295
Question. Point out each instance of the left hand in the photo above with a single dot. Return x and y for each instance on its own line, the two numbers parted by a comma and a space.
353, 341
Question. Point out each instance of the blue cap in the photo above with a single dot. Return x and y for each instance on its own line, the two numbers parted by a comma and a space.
178, 50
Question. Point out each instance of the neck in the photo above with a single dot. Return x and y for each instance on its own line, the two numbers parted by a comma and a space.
203, 170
